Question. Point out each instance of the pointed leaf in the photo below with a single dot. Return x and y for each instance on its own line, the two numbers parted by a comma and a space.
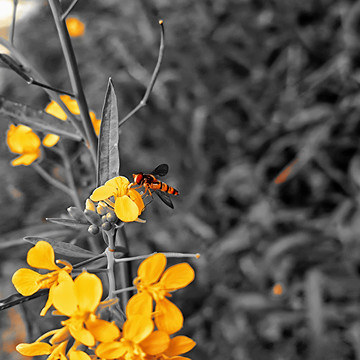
63, 248
108, 148
68, 222
37, 119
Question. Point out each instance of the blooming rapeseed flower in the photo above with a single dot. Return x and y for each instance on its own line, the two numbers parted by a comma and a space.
28, 282
22, 140
137, 341
54, 109
75, 27
154, 284
127, 204
78, 299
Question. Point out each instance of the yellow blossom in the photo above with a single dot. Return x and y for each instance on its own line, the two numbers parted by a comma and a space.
22, 140
28, 282
153, 283
137, 342
78, 299
127, 204
54, 109
75, 27
177, 346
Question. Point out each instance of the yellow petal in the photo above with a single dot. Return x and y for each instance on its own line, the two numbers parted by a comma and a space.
151, 268
54, 109
95, 122
50, 140
42, 256
112, 350
168, 316
25, 159
78, 355
26, 281
64, 295
21, 139
136, 197
139, 304
81, 334
88, 289
126, 209
34, 349
71, 104
121, 183
179, 345
49, 302
137, 328
102, 193
156, 343
177, 277
61, 335
75, 27
102, 330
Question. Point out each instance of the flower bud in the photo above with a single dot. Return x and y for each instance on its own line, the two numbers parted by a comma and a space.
77, 214
101, 209
111, 217
93, 217
93, 229
89, 205
106, 226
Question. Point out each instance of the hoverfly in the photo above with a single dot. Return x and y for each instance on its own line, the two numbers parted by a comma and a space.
151, 183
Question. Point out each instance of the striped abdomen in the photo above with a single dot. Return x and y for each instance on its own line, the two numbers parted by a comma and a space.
159, 185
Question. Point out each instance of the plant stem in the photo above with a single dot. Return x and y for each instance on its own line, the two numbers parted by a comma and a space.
45, 175
12, 28
125, 267
155, 74
111, 263
69, 175
74, 76
68, 10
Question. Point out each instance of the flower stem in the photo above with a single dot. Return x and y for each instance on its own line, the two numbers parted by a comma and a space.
111, 263
74, 75
168, 255
125, 267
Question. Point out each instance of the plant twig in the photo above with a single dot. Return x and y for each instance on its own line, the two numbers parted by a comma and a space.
45, 175
68, 10
69, 175
155, 74
74, 76
12, 28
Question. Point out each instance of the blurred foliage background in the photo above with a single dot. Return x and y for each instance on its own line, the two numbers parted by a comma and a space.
246, 87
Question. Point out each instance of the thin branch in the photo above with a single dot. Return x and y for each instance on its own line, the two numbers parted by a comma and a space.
12, 28
68, 10
168, 255
52, 94
45, 175
69, 175
155, 74
74, 76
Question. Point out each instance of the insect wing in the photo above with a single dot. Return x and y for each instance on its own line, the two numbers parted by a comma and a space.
160, 170
165, 198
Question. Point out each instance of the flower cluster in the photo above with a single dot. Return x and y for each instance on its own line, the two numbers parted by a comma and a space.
145, 335
23, 141
117, 196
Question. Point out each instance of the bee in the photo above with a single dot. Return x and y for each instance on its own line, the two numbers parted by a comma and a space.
151, 183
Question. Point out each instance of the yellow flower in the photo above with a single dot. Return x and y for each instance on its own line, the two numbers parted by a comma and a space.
127, 204
138, 340
78, 299
22, 140
75, 27
28, 282
55, 109
177, 346
154, 284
